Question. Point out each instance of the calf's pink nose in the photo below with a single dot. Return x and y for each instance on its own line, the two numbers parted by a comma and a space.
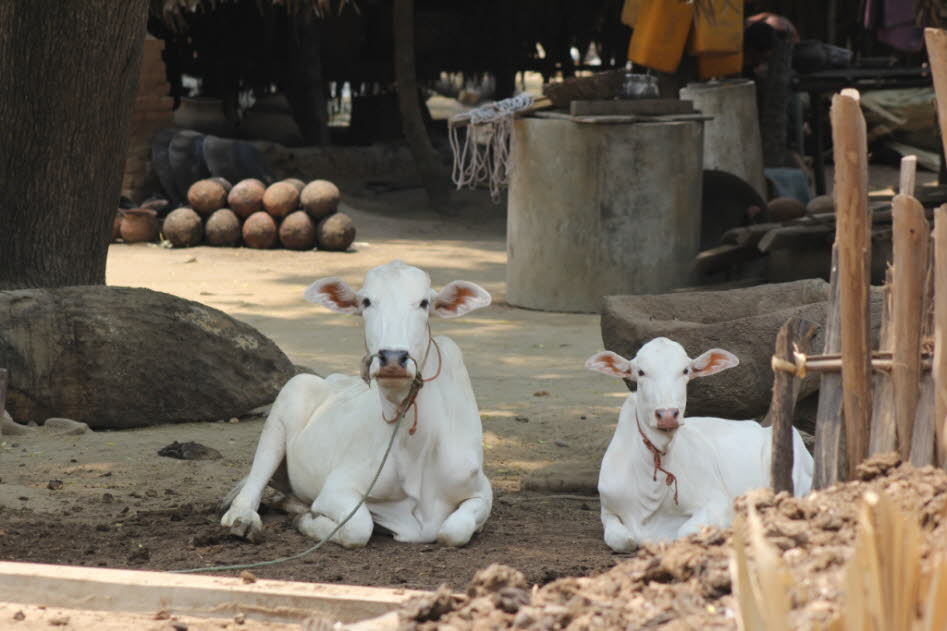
667, 417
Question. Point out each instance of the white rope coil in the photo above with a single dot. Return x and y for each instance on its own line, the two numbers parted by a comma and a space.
484, 157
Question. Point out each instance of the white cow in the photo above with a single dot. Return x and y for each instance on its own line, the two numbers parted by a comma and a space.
331, 434
665, 476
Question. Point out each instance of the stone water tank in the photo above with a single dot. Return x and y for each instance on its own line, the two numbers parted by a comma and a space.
597, 209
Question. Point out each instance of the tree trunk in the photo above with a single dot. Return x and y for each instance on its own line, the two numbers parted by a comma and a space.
434, 176
305, 88
70, 72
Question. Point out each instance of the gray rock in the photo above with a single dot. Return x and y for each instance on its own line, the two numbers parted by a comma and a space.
65, 426
9, 427
120, 357
742, 321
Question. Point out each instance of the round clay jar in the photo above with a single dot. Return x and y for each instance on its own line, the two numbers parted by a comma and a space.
296, 182
335, 232
183, 227
206, 196
298, 231
259, 231
223, 228
320, 198
820, 204
116, 229
139, 225
223, 182
246, 197
280, 199
785, 208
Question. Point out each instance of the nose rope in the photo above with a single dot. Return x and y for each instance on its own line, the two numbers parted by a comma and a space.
416, 384
657, 454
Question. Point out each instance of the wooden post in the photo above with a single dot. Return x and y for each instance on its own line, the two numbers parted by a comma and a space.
854, 246
829, 447
884, 434
940, 332
3, 389
795, 334
936, 40
924, 437
434, 176
908, 175
911, 238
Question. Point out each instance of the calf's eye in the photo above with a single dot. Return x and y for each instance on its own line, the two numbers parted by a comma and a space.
687, 371
366, 303
641, 373
424, 304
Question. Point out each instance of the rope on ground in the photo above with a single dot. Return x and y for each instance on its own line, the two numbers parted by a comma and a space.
484, 157
361, 502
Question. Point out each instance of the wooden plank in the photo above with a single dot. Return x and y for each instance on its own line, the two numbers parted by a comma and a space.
748, 235
796, 238
908, 176
936, 40
829, 450
136, 591
462, 120
645, 107
795, 334
924, 442
940, 332
911, 242
884, 435
853, 239
723, 257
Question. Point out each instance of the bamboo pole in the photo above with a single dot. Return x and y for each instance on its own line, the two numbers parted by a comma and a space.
796, 334
911, 243
884, 435
829, 453
853, 239
940, 332
936, 40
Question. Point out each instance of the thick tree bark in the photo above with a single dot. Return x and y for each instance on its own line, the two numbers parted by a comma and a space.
305, 87
433, 174
70, 72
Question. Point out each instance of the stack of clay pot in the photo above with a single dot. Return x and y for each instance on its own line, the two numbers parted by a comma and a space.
288, 213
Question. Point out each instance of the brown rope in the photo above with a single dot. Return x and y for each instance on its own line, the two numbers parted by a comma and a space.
418, 383
657, 455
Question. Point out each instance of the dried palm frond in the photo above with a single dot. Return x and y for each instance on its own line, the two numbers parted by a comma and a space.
763, 593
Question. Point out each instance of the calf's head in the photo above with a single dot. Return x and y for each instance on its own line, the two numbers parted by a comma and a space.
395, 302
662, 370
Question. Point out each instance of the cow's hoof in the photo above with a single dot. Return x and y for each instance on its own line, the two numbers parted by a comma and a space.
621, 543
243, 523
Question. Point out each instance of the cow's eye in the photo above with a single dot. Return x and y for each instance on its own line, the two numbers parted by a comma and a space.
640, 373
366, 303
424, 304
687, 371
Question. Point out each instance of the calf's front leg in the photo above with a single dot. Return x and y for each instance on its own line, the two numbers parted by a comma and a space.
617, 535
329, 510
468, 518
714, 513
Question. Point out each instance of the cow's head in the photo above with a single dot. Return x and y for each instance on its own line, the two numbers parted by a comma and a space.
395, 302
662, 370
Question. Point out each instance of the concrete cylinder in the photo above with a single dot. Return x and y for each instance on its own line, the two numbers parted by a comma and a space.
732, 140
601, 209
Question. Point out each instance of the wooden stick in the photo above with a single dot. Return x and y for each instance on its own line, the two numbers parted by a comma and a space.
936, 40
884, 435
923, 440
4, 376
908, 177
853, 239
940, 333
462, 120
795, 334
911, 242
829, 449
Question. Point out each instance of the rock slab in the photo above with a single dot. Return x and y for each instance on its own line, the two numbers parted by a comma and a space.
121, 357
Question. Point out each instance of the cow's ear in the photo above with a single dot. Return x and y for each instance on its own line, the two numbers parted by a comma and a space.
333, 293
610, 363
713, 361
459, 297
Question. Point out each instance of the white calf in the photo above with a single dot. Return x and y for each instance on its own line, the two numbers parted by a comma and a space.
331, 434
664, 476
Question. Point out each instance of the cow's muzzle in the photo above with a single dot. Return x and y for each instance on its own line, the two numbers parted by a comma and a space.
668, 419
392, 364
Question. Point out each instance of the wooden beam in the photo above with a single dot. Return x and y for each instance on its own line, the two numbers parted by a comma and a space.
796, 238
136, 591
940, 332
854, 243
795, 335
908, 175
936, 40
829, 448
723, 257
911, 243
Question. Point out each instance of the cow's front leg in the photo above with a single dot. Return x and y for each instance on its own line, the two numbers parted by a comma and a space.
714, 513
617, 535
329, 510
469, 517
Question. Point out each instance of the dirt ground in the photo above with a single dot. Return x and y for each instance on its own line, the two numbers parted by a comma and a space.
122, 505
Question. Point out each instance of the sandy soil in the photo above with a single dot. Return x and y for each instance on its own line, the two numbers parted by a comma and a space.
122, 505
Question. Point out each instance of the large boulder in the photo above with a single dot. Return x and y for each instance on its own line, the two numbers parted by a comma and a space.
119, 357
742, 321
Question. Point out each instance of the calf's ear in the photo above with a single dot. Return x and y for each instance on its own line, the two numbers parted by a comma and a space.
333, 293
457, 298
713, 361
610, 363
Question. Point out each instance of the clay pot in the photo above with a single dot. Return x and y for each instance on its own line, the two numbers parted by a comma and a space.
335, 232
223, 228
246, 197
259, 231
295, 181
280, 199
117, 226
785, 209
298, 231
206, 196
203, 114
223, 182
183, 228
271, 118
139, 225
821, 204
320, 198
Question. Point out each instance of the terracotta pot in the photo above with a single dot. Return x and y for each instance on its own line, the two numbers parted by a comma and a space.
203, 114
139, 224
